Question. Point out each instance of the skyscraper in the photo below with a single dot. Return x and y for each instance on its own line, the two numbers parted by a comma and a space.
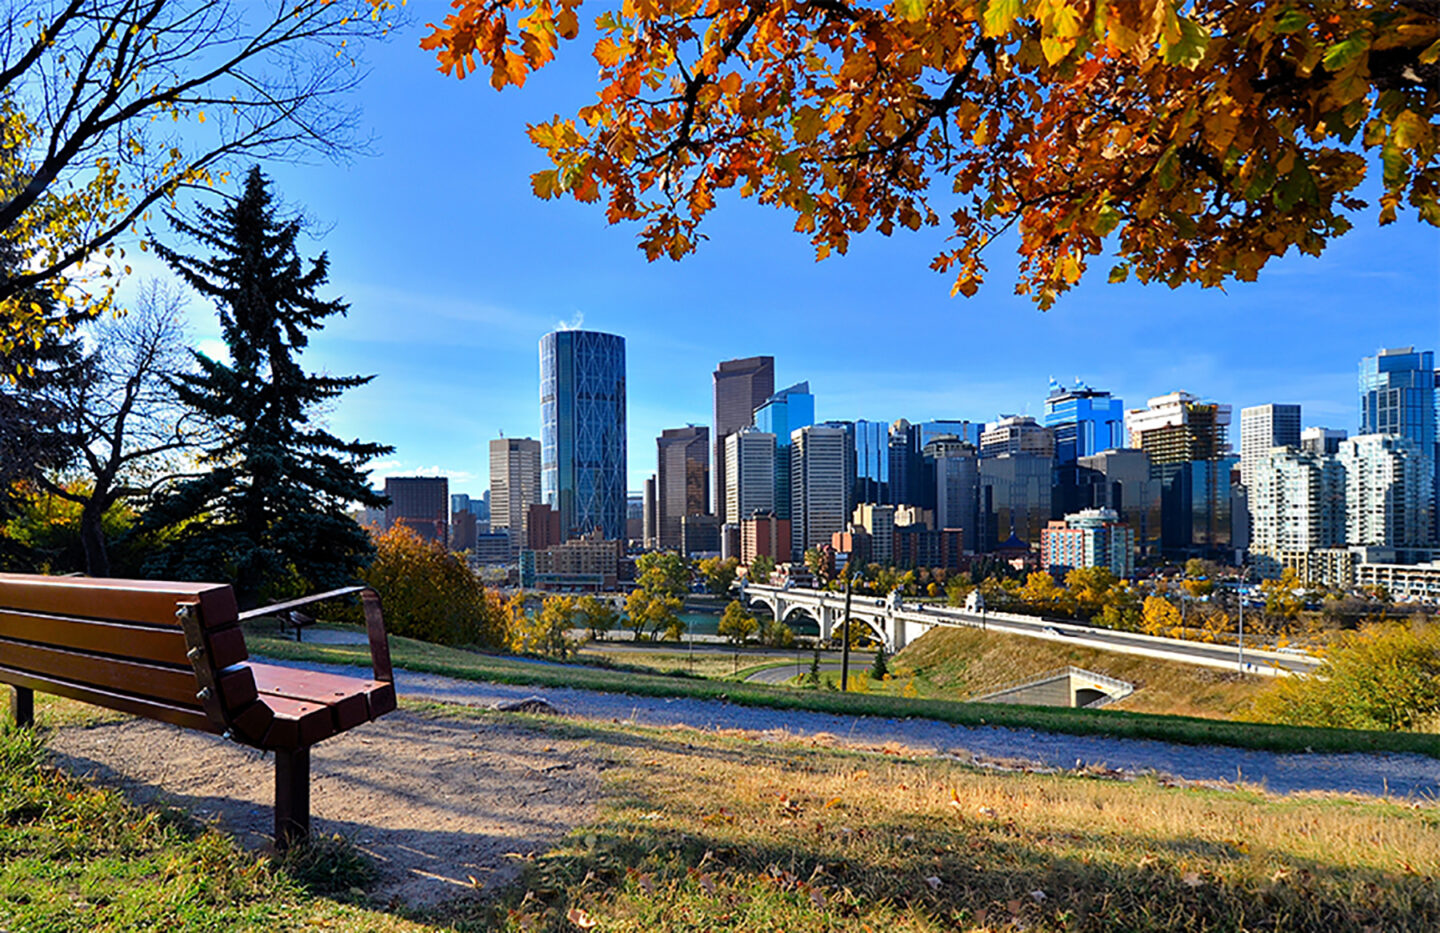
822, 473
514, 486
1179, 427
781, 414
957, 487
872, 462
749, 473
1263, 427
1121, 480
1296, 500
683, 484
582, 430
1398, 395
422, 503
1322, 440
741, 386
1015, 492
1389, 492
1085, 421
1017, 434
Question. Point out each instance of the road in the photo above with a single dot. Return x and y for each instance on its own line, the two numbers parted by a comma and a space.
1125, 642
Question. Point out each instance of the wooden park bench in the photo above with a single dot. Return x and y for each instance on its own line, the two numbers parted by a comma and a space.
175, 652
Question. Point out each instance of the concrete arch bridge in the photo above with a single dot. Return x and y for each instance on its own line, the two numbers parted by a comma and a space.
890, 622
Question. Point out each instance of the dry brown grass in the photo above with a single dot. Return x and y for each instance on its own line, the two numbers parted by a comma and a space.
729, 833
955, 663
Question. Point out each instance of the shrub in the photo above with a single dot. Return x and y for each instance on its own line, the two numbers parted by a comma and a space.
430, 593
1385, 676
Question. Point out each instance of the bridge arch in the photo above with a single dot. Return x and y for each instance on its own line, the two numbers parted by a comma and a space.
800, 609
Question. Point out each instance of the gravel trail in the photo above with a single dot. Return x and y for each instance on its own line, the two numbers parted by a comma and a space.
1399, 776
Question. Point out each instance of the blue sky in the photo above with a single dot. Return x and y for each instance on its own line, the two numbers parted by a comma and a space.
454, 270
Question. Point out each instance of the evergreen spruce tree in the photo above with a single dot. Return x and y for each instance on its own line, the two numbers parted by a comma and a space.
270, 514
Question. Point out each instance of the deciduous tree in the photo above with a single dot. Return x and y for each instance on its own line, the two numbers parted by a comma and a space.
121, 419
760, 569
718, 574
110, 106
1197, 140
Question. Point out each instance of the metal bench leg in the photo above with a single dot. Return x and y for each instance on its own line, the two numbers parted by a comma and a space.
23, 707
292, 797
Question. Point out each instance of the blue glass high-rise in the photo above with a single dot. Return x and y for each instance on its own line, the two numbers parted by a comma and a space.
781, 414
582, 431
872, 462
1086, 421
1398, 395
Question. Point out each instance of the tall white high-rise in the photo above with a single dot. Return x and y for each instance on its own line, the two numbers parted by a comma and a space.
1263, 427
749, 473
822, 467
514, 486
1389, 491
1297, 501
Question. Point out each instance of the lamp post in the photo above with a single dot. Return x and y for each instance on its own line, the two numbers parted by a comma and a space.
1240, 595
845, 636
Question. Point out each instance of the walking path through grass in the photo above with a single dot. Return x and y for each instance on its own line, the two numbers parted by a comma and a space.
1397, 775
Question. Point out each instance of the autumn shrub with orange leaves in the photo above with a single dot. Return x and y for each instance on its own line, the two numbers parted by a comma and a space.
429, 593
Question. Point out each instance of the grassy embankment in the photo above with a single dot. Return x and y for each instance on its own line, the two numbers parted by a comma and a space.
422, 656
698, 831
956, 663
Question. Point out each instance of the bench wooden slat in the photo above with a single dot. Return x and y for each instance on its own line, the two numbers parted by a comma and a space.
347, 697
122, 640
171, 685
148, 601
188, 717
297, 724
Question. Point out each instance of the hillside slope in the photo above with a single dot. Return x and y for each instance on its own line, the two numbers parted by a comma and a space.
955, 663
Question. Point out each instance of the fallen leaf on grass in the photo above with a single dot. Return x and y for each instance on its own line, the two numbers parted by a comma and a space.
934, 883
830, 803
1192, 879
580, 918
817, 896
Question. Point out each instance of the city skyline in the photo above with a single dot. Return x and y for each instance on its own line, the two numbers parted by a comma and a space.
448, 305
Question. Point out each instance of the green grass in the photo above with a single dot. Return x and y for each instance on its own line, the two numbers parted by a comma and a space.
75, 857
470, 665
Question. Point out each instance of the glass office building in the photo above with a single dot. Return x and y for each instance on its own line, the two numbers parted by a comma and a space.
1398, 395
872, 462
1085, 420
582, 433
781, 414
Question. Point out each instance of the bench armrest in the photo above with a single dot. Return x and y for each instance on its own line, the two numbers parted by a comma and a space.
379, 643
277, 608
374, 622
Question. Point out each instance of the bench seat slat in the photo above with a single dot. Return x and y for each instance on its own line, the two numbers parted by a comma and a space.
119, 639
188, 717
148, 601
297, 724
349, 698
172, 685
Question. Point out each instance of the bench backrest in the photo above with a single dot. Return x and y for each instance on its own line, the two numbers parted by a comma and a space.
120, 644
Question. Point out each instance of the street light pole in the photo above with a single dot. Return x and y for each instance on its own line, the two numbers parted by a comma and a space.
845, 635
1241, 644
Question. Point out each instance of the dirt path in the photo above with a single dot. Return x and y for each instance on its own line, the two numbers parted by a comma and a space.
434, 802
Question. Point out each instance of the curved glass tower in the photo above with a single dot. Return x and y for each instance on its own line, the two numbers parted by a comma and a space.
582, 430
